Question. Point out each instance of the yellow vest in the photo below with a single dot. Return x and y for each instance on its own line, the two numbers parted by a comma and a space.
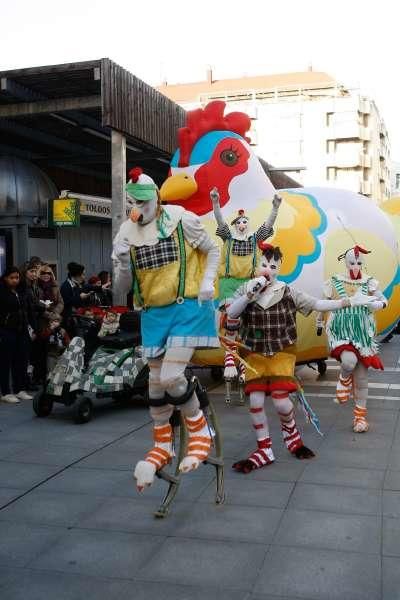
181, 278
240, 267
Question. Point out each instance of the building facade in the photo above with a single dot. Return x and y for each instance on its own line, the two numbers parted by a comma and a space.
306, 124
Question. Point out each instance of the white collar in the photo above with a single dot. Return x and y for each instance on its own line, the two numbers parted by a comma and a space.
241, 237
272, 295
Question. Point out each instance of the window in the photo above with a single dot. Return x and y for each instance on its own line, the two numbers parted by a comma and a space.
397, 181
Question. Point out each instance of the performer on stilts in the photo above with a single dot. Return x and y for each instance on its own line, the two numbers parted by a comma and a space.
268, 308
351, 333
171, 261
240, 256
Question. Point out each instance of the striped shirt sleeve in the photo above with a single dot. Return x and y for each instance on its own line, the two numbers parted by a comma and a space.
223, 232
263, 233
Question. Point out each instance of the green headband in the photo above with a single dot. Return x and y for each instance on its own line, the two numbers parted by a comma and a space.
141, 191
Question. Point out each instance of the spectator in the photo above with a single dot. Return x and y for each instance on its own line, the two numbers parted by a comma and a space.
55, 339
106, 283
49, 292
72, 291
14, 337
102, 295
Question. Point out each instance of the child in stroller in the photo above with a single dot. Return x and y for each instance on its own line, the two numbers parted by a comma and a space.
108, 366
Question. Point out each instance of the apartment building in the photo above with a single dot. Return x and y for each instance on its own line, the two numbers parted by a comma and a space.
307, 124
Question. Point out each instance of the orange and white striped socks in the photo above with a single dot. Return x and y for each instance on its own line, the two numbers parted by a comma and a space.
360, 423
162, 452
344, 389
199, 444
285, 408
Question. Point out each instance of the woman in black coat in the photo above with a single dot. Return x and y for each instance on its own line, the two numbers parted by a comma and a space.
14, 338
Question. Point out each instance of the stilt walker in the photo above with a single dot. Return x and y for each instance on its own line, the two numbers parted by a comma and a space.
167, 256
268, 308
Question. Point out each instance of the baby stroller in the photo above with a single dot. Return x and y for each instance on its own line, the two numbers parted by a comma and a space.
111, 366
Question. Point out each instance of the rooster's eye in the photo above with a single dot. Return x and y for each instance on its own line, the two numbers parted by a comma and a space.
229, 157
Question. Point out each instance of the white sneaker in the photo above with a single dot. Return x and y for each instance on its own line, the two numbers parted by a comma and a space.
24, 396
10, 399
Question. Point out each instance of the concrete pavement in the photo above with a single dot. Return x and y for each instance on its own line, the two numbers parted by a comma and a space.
72, 525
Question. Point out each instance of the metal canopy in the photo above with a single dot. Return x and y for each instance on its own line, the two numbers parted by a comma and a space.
61, 116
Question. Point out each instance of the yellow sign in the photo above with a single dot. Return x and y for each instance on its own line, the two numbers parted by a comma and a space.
65, 212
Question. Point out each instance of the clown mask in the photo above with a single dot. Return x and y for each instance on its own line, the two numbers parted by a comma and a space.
354, 259
270, 263
143, 194
241, 224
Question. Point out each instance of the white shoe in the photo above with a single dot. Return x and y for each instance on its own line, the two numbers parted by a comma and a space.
24, 396
10, 399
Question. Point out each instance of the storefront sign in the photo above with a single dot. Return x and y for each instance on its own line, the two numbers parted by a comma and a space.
98, 208
64, 212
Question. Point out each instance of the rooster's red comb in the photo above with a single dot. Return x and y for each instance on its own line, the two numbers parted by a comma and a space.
263, 245
135, 173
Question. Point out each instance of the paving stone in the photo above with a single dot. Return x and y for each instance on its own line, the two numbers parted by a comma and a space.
336, 499
351, 457
316, 472
38, 585
392, 480
250, 492
136, 516
50, 454
7, 494
390, 578
9, 448
228, 565
391, 503
320, 574
237, 523
99, 553
391, 537
48, 508
24, 476
331, 531
20, 543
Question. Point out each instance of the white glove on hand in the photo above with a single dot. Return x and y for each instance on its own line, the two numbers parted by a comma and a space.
276, 201
376, 305
360, 299
254, 287
207, 290
214, 195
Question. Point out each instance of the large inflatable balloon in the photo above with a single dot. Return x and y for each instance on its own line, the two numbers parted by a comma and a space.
314, 225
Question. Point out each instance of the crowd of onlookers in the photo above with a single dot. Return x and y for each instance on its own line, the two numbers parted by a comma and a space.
35, 320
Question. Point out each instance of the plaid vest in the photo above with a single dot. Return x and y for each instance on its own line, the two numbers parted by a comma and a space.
270, 331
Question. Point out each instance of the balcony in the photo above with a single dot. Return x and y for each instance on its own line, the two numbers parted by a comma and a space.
349, 159
350, 130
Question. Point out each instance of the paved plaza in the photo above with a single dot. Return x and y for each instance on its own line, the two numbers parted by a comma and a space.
72, 525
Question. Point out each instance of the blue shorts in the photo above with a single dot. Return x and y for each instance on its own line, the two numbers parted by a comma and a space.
186, 325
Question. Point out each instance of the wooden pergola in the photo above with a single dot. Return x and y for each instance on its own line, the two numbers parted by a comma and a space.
85, 123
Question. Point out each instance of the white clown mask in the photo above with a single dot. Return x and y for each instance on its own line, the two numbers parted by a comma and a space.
270, 262
241, 224
354, 259
143, 194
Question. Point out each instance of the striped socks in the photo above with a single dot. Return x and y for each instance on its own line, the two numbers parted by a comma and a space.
162, 452
290, 433
360, 423
344, 388
199, 444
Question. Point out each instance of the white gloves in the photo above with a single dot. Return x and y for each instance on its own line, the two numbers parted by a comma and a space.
376, 305
254, 287
360, 299
214, 196
206, 291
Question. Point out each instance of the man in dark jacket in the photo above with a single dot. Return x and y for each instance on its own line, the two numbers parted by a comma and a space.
72, 293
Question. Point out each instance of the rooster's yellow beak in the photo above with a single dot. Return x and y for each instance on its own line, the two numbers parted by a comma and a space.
178, 187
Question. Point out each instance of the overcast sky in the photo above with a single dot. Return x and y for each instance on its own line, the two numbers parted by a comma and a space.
354, 41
